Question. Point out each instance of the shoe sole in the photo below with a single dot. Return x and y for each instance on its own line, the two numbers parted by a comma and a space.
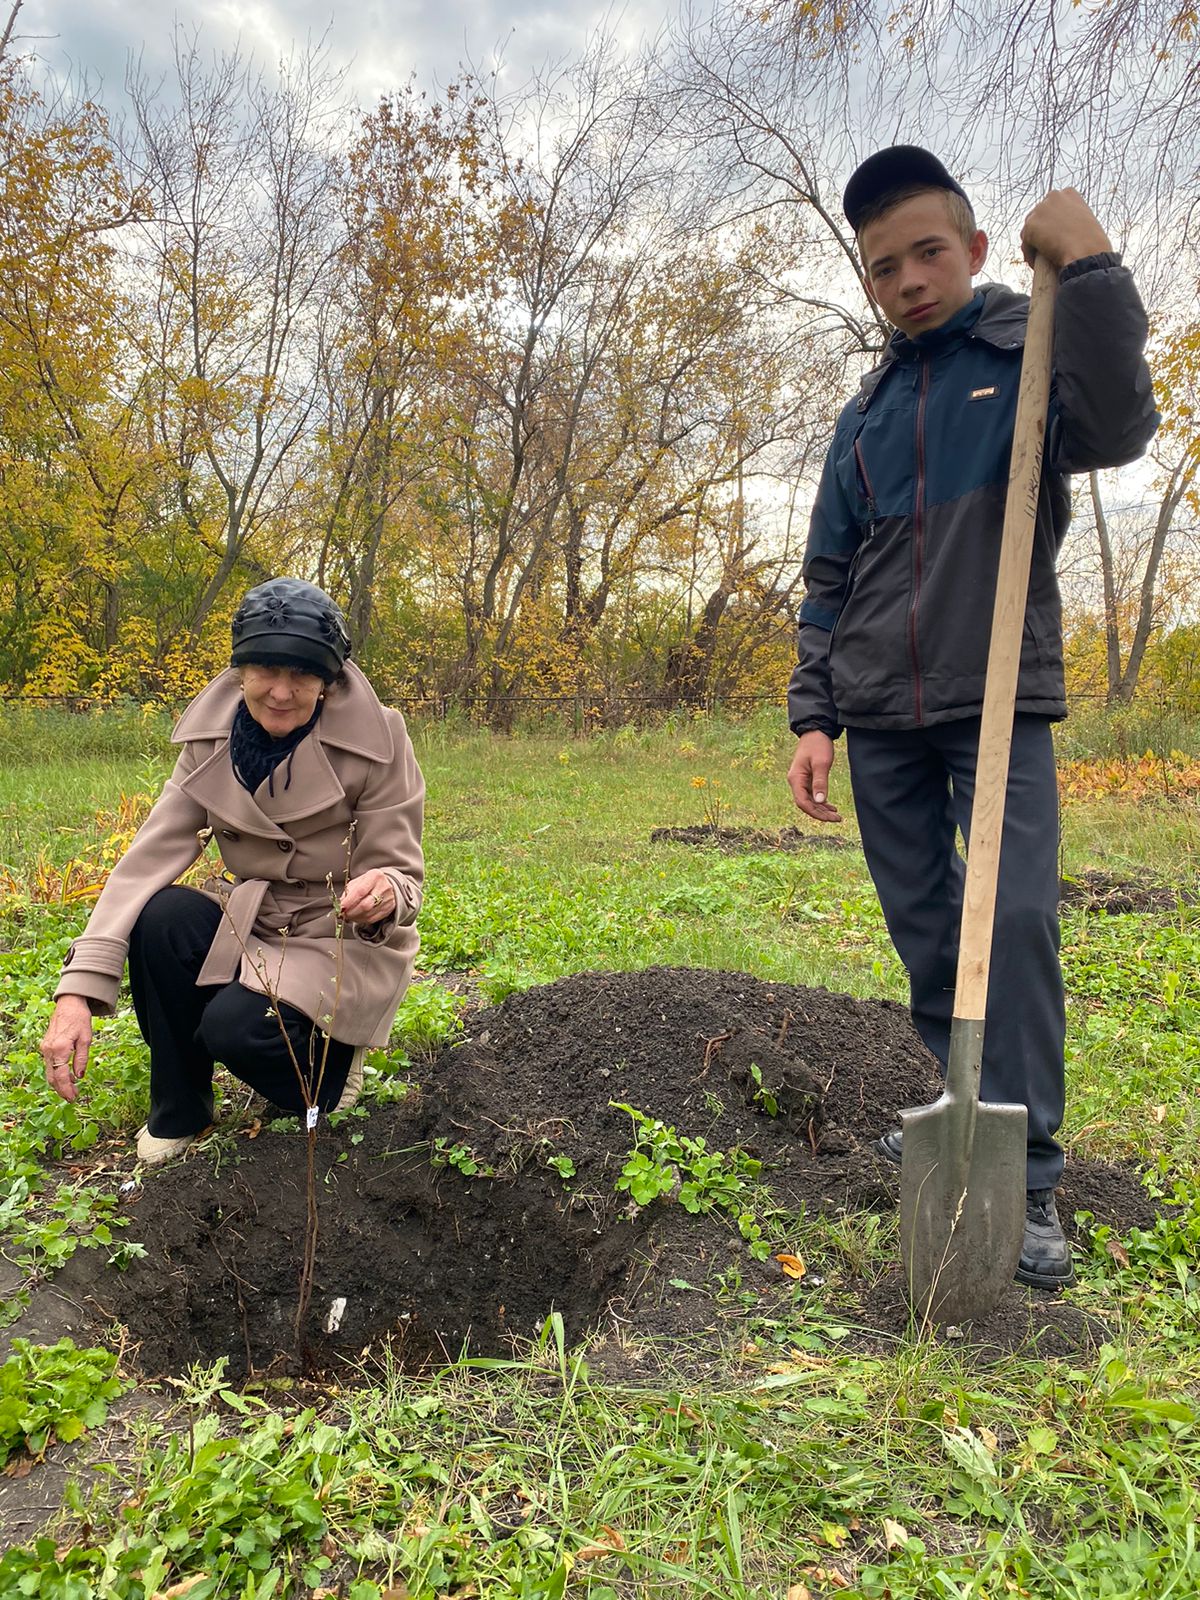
1044, 1280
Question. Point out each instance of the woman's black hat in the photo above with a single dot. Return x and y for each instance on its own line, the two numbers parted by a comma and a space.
286, 622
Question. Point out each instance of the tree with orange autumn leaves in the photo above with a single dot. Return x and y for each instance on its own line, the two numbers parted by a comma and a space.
538, 385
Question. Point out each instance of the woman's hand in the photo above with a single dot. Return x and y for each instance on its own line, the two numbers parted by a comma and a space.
368, 899
66, 1044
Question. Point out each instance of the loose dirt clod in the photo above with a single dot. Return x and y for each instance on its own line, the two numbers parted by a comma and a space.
464, 1214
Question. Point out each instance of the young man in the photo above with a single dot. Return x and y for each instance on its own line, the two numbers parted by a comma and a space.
900, 573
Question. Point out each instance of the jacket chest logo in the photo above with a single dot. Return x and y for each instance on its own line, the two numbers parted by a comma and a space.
988, 393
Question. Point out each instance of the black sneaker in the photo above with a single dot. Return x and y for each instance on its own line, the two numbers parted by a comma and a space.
1045, 1255
889, 1145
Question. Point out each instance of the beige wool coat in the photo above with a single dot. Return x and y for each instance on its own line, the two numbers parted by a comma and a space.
354, 801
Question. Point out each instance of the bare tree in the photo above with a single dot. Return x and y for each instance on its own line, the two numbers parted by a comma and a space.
236, 258
1131, 567
576, 159
6, 37
1016, 97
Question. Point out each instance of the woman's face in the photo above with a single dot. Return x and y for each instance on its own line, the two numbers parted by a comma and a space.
280, 699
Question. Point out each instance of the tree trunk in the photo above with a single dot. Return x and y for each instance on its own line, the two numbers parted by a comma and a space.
1177, 485
1112, 639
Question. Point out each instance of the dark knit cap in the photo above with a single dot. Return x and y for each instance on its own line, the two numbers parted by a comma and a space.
894, 168
286, 622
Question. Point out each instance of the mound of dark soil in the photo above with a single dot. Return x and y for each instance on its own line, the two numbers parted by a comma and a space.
744, 841
467, 1212
1106, 892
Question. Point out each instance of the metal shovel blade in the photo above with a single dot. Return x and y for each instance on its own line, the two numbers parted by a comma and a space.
962, 1200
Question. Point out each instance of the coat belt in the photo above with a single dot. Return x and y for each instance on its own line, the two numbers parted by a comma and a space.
235, 939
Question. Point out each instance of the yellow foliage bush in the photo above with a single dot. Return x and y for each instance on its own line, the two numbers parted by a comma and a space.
136, 667
65, 662
1146, 777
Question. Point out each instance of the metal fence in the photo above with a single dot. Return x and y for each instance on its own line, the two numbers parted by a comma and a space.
595, 710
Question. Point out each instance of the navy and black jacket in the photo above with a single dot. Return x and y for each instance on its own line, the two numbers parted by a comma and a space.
904, 543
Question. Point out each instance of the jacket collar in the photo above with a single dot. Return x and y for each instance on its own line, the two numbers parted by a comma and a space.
995, 315
351, 718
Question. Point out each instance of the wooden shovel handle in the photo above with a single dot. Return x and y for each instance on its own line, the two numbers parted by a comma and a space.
1004, 652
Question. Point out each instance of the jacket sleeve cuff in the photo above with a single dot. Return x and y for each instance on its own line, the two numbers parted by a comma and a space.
408, 904
99, 953
93, 967
810, 699
1096, 263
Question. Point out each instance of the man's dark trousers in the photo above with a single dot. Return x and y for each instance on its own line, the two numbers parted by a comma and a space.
912, 789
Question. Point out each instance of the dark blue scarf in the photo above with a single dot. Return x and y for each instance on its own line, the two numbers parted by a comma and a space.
255, 754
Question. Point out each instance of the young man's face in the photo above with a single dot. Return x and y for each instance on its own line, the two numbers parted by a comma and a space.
918, 268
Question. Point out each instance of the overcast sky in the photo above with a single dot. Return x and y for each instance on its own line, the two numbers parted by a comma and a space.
384, 42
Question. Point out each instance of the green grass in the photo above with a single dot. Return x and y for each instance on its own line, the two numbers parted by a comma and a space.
913, 1474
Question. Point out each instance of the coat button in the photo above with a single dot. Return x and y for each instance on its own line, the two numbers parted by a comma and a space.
228, 833
283, 844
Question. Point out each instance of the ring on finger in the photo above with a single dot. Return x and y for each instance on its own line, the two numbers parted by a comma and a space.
376, 899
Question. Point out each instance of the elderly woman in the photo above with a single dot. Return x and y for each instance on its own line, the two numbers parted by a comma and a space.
298, 958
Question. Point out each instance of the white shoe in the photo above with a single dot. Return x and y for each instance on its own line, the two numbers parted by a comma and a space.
152, 1152
354, 1081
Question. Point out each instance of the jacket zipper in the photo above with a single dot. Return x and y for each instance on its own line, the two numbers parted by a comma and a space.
868, 487
918, 545
856, 559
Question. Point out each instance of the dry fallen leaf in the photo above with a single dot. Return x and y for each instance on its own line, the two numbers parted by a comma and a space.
20, 1468
178, 1590
828, 1577
399, 1592
989, 1439
1117, 1251
895, 1534
793, 1266
1158, 1113
609, 1542
799, 1591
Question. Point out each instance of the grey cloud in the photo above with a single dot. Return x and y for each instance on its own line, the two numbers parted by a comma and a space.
382, 46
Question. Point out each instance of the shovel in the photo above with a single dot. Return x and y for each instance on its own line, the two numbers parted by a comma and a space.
962, 1183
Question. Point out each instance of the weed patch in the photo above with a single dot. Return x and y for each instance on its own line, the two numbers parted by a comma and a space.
732, 1427
52, 1392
